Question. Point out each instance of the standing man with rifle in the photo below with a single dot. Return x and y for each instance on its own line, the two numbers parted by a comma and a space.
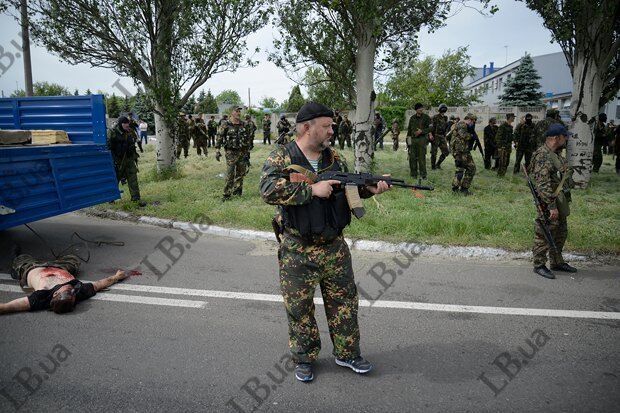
551, 181
309, 220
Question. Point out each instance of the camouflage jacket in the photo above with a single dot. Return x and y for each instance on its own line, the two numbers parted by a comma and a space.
182, 130
345, 127
122, 144
548, 170
503, 137
283, 126
416, 122
199, 130
526, 137
460, 143
543, 125
440, 125
212, 127
277, 189
489, 135
266, 125
395, 128
251, 127
233, 136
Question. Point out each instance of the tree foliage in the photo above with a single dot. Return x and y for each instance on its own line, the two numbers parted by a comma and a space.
207, 103
168, 46
523, 88
295, 100
45, 89
322, 89
432, 81
268, 102
588, 31
230, 97
113, 107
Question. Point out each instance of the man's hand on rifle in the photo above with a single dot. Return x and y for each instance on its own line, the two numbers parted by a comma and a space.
323, 189
380, 188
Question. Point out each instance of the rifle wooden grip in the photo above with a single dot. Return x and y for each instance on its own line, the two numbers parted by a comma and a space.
354, 200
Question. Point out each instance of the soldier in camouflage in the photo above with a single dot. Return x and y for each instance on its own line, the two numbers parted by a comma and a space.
122, 140
211, 131
344, 132
266, 129
439, 129
233, 137
503, 139
417, 141
552, 179
552, 117
310, 218
526, 142
461, 146
395, 133
182, 136
199, 134
601, 137
490, 149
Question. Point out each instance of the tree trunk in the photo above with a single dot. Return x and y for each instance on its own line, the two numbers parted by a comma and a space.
364, 71
587, 89
165, 143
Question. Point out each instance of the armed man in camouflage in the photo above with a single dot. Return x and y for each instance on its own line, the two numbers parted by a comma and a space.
490, 148
461, 146
552, 179
395, 133
283, 126
526, 142
552, 117
503, 139
211, 131
122, 140
344, 132
417, 141
601, 137
310, 219
233, 137
266, 129
199, 134
183, 137
439, 130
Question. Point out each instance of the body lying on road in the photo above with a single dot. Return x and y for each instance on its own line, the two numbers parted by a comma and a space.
55, 284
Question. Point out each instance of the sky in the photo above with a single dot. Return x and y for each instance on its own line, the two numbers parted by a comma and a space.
514, 26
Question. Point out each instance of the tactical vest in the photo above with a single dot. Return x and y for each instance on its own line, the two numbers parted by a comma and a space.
235, 136
324, 217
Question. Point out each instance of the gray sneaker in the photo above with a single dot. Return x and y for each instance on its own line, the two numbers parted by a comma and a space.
303, 372
358, 364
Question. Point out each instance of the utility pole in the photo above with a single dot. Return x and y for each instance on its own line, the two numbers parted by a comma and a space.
506, 47
23, 6
249, 100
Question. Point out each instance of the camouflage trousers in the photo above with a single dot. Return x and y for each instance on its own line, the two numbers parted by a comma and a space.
520, 155
344, 138
395, 141
417, 157
235, 171
559, 232
201, 145
22, 264
127, 169
184, 144
440, 143
302, 268
465, 170
597, 157
504, 160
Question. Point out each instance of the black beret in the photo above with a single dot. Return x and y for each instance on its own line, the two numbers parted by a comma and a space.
418, 106
123, 119
313, 110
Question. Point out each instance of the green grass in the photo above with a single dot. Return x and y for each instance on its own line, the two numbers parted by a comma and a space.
499, 214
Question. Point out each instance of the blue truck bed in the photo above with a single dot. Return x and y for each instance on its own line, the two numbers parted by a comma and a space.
39, 182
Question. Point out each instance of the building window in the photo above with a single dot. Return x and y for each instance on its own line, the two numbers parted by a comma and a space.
617, 111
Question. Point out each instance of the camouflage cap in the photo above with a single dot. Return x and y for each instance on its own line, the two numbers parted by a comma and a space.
552, 112
470, 116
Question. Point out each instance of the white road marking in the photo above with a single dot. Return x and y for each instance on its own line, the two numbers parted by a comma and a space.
408, 305
136, 299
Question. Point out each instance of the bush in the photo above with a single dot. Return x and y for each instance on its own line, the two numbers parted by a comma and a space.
390, 113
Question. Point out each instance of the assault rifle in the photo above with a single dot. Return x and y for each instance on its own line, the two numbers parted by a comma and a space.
283, 139
350, 181
543, 214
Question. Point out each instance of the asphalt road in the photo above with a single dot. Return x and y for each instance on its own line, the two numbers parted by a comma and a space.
208, 334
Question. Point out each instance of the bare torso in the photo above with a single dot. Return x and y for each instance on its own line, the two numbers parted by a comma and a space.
45, 278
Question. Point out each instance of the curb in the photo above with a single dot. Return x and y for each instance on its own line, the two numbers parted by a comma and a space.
430, 250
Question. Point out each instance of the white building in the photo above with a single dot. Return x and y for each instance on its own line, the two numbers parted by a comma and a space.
555, 80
